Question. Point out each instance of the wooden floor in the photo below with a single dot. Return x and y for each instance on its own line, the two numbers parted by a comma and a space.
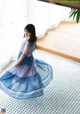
63, 41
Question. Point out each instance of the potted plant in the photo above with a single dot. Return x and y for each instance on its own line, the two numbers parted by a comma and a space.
75, 13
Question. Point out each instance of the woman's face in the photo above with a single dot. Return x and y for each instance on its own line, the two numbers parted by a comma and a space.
26, 33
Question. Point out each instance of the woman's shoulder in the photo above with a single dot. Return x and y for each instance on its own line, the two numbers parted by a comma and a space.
23, 42
25, 39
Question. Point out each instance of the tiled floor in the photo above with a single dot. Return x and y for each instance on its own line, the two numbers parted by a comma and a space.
62, 96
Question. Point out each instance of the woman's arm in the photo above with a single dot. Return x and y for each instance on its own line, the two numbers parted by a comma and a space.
26, 47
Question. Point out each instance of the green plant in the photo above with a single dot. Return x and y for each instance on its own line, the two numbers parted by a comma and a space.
75, 13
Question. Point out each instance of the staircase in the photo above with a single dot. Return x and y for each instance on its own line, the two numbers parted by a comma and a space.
63, 40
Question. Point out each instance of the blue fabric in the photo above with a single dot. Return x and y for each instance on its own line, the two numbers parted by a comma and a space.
27, 60
8, 78
28, 79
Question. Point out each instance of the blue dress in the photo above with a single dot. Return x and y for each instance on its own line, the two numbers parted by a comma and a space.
29, 78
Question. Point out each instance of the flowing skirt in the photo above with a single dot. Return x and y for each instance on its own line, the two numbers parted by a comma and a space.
28, 79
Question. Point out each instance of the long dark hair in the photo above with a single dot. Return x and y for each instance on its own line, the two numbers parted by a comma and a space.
31, 28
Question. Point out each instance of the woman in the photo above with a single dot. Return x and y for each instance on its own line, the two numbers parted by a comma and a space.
27, 78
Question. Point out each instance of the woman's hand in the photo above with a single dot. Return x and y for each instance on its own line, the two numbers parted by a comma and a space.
16, 65
27, 45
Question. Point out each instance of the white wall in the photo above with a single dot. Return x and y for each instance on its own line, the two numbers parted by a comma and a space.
15, 14
13, 17
45, 15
